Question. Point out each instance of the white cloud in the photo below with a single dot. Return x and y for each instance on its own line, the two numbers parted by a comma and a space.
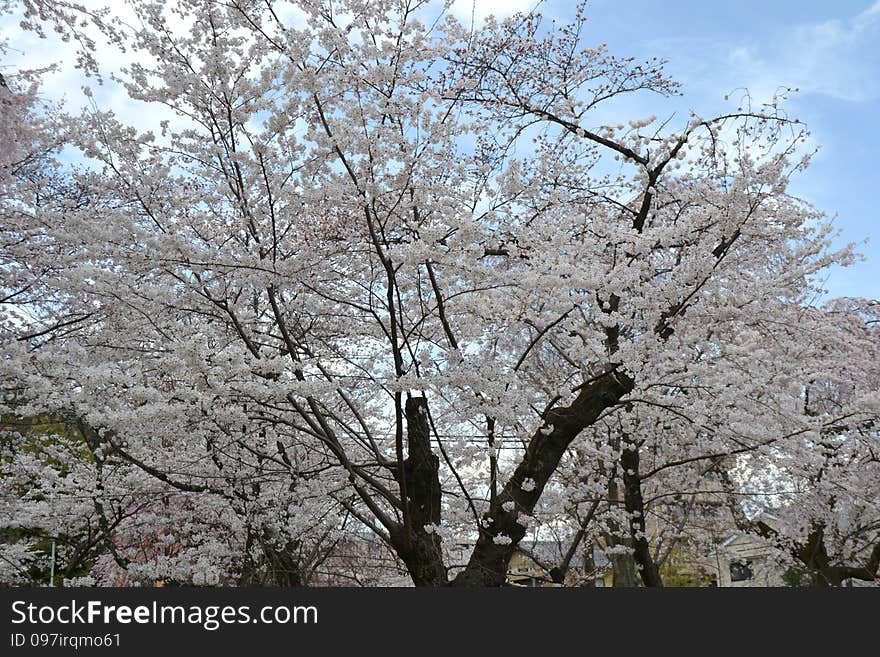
870, 12
835, 58
28, 51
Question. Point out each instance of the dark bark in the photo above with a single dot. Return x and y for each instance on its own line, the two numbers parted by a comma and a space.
823, 573
635, 508
812, 553
489, 560
559, 572
418, 547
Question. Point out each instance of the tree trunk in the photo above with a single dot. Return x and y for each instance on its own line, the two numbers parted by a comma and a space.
814, 556
501, 530
415, 541
635, 507
623, 566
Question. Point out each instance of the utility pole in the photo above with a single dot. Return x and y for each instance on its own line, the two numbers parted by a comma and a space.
52, 567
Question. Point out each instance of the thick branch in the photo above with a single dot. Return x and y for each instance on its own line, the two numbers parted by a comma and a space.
501, 530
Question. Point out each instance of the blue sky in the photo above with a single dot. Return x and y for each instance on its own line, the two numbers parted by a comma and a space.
829, 50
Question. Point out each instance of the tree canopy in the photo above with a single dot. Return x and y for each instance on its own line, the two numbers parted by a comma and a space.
385, 278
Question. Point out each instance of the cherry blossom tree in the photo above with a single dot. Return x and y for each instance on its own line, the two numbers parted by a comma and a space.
825, 513
371, 266
815, 395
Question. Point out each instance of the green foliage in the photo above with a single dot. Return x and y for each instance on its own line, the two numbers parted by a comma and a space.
683, 568
36, 435
797, 576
